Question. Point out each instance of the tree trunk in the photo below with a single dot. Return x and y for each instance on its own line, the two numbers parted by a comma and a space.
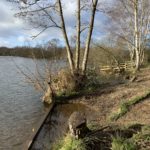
87, 46
77, 61
69, 53
137, 61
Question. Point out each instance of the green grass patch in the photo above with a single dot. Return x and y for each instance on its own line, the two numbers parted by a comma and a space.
63, 96
119, 143
66, 95
136, 142
69, 143
125, 107
143, 135
142, 138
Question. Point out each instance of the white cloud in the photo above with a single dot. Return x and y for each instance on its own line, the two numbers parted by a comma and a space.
14, 29
70, 10
9, 25
3, 43
21, 39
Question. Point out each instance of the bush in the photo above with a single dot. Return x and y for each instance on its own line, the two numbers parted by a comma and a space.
63, 82
92, 79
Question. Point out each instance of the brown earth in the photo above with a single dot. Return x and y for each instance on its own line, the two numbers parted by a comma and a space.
107, 101
99, 107
104, 102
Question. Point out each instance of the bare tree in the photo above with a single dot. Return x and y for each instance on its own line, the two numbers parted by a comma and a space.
50, 14
87, 46
78, 35
70, 57
130, 21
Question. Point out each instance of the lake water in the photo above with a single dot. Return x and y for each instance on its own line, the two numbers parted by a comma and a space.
20, 104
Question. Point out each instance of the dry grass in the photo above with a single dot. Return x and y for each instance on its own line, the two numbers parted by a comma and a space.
63, 81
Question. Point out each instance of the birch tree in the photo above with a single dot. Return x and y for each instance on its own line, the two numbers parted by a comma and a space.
88, 41
50, 14
78, 34
130, 21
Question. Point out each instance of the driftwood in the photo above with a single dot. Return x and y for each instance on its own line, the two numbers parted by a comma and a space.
78, 125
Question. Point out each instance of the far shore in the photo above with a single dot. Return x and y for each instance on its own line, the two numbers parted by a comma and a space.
32, 52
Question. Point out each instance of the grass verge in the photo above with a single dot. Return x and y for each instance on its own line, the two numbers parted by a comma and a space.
69, 143
142, 139
139, 141
125, 107
119, 143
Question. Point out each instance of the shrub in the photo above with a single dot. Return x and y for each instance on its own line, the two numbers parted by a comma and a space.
63, 82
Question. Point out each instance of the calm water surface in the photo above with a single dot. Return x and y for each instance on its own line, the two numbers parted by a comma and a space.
20, 105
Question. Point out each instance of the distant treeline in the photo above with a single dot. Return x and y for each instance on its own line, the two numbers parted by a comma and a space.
33, 52
99, 55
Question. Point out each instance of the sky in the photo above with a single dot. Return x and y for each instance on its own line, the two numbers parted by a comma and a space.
15, 32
